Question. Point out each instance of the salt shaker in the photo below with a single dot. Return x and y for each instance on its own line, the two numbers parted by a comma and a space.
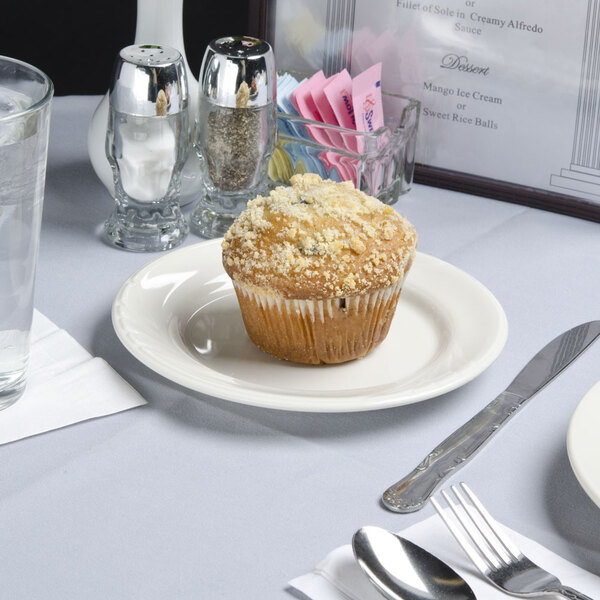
235, 129
147, 142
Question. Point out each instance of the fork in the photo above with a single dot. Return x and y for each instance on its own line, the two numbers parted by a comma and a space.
493, 552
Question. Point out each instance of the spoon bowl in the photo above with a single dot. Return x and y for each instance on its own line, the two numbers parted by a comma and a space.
401, 570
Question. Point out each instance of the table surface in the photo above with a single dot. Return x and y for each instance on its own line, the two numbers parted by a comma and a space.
196, 497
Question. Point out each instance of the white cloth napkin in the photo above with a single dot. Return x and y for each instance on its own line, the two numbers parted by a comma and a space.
65, 385
338, 577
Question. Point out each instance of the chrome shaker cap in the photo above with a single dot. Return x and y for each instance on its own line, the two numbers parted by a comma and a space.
149, 80
238, 71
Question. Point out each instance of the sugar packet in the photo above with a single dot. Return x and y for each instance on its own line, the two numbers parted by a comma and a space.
367, 101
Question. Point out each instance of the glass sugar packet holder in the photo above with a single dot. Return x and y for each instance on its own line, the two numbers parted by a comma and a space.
380, 163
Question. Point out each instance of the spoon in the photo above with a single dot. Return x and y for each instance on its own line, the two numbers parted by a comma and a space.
401, 570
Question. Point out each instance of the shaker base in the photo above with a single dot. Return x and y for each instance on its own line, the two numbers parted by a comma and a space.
209, 224
150, 232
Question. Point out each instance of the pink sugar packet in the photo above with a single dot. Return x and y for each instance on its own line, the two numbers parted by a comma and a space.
326, 112
307, 108
366, 99
303, 98
346, 167
333, 159
338, 92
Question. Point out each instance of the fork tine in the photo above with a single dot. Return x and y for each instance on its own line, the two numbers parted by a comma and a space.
471, 528
492, 524
486, 533
469, 550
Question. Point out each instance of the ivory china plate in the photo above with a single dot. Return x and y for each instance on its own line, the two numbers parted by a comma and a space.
583, 443
179, 316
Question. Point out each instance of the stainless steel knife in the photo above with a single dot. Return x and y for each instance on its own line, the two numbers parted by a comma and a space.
412, 492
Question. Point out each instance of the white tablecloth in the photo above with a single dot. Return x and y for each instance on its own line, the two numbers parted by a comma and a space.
195, 497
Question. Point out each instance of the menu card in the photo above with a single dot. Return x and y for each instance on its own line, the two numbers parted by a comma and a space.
510, 90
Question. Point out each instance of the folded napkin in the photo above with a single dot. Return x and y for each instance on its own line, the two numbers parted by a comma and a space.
65, 385
338, 577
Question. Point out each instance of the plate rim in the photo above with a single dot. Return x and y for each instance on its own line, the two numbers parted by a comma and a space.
574, 441
318, 404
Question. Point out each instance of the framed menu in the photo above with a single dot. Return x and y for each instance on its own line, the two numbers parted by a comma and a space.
510, 90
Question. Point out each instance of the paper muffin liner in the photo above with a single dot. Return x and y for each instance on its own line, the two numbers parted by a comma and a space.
332, 330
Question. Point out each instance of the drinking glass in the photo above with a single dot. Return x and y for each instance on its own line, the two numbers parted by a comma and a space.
25, 99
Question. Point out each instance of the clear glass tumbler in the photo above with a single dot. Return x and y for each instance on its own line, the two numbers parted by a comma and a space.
25, 99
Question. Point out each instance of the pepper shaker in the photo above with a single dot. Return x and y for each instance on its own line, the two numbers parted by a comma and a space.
147, 142
235, 129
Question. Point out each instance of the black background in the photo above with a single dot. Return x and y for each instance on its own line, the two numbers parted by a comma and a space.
75, 42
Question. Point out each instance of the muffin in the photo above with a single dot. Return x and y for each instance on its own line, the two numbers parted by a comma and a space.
318, 268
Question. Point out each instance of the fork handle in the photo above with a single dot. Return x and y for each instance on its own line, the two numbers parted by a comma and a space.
568, 592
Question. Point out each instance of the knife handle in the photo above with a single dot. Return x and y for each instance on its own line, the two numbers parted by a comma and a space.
410, 493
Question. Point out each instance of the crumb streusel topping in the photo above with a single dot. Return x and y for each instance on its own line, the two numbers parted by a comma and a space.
318, 239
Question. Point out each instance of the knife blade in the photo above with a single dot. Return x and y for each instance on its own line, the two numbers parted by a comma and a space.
412, 492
